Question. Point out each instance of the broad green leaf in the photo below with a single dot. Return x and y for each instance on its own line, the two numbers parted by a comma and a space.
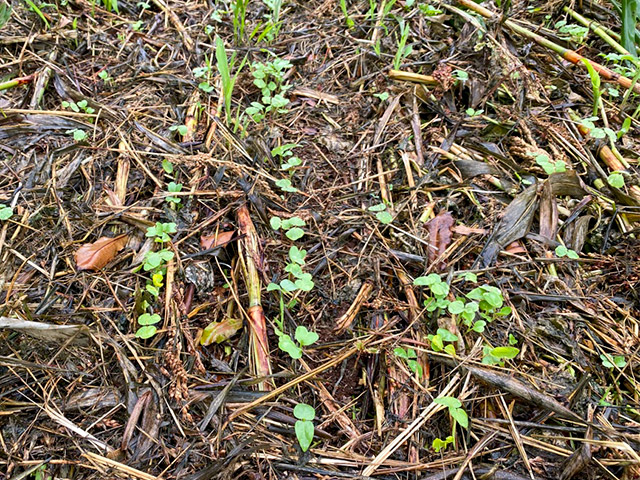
305, 337
505, 352
446, 335
297, 255
287, 345
450, 402
305, 284
428, 280
148, 319
275, 222
293, 222
302, 411
456, 307
380, 207
460, 415
146, 331
384, 217
288, 286
5, 212
295, 233
304, 434
400, 352
273, 287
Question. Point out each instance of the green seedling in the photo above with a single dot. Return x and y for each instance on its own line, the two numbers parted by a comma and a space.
439, 444
269, 78
167, 166
147, 325
471, 112
547, 164
441, 336
82, 105
105, 77
301, 280
562, 251
595, 85
160, 231
285, 185
497, 356
577, 33
181, 129
78, 134
290, 225
460, 75
304, 428
303, 337
457, 413
429, 10
410, 356
288, 161
5, 212
224, 66
402, 50
239, 9
616, 180
597, 132
347, 19
174, 187
384, 96
610, 362
5, 13
382, 214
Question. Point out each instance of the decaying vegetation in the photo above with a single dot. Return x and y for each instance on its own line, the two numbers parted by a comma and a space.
325, 239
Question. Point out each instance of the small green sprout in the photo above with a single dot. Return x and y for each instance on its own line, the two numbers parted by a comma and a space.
304, 425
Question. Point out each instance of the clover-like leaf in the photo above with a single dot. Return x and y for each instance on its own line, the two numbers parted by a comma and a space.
304, 433
294, 233
305, 337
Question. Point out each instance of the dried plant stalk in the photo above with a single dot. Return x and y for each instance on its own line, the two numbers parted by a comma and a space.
251, 263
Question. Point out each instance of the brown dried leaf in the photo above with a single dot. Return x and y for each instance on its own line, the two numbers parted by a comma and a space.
515, 224
548, 212
94, 256
212, 241
439, 236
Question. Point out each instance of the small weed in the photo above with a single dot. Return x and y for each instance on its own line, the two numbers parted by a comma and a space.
577, 33
429, 10
471, 112
497, 356
269, 78
304, 428
402, 50
455, 410
6, 212
547, 165
610, 362
288, 160
348, 20
439, 444
409, 355
382, 214
460, 75
616, 180
290, 225
239, 9
81, 106
174, 187
562, 251
78, 134
181, 129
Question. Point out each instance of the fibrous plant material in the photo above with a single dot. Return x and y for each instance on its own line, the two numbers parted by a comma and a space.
251, 262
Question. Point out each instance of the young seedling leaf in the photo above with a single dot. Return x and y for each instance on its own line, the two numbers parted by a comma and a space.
304, 433
305, 337
147, 331
450, 402
302, 411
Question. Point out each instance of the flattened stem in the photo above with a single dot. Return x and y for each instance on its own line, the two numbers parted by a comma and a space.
250, 260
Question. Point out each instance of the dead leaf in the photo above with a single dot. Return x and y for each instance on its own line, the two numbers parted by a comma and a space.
515, 248
94, 256
218, 332
515, 224
464, 230
439, 236
548, 212
212, 241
